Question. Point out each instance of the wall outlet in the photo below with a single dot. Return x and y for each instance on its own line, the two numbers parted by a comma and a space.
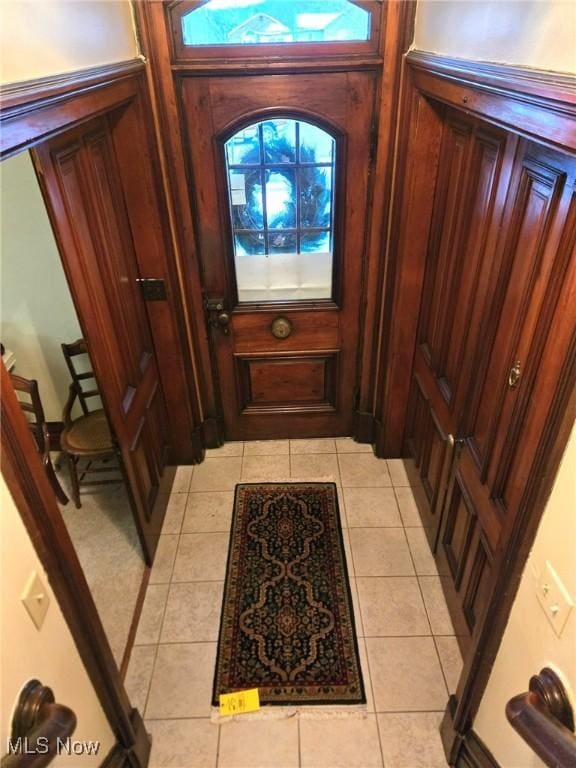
36, 600
554, 598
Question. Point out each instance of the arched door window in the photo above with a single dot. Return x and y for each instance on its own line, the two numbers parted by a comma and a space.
281, 180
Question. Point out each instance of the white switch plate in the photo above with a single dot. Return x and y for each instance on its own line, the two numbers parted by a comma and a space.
554, 598
36, 600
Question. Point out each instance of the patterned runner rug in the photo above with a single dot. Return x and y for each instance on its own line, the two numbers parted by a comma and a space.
287, 626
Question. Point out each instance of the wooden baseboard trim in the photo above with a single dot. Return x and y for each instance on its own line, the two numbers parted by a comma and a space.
213, 432
463, 750
138, 756
116, 758
364, 427
198, 451
473, 753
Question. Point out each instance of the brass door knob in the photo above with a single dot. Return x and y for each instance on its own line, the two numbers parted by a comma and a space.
281, 328
224, 321
514, 375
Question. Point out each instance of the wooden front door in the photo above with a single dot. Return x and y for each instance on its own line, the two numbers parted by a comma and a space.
81, 184
279, 171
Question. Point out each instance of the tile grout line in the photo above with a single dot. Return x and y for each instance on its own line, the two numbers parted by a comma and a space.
418, 583
377, 719
427, 616
218, 746
444, 675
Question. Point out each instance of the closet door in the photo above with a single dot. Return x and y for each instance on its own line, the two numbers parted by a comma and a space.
81, 184
525, 336
475, 165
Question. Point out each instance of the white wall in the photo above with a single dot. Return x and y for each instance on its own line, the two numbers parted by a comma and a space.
48, 654
529, 642
535, 33
36, 310
47, 37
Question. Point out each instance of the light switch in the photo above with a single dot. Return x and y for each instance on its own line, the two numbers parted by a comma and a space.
554, 598
36, 600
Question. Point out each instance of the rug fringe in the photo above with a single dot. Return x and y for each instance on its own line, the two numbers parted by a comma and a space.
316, 712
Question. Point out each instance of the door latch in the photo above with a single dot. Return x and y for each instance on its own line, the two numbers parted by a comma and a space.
217, 316
152, 288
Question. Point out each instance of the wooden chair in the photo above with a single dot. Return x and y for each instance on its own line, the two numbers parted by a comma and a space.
42, 430
87, 439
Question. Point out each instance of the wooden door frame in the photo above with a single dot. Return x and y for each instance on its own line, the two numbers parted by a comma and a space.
541, 107
30, 112
396, 32
36, 503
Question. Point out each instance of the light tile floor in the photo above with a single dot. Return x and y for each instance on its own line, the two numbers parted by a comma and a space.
106, 542
408, 649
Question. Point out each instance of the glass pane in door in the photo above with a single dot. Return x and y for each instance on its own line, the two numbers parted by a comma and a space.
281, 177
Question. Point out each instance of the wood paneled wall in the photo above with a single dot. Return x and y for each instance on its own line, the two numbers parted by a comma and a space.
482, 341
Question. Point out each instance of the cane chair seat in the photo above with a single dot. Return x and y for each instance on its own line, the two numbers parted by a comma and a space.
87, 442
89, 434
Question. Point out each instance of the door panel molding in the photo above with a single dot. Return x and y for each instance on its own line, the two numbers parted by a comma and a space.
263, 392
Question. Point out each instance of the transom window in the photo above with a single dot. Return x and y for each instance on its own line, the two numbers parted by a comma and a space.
281, 177
267, 22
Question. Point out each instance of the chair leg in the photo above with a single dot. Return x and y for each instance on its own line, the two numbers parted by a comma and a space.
74, 480
54, 482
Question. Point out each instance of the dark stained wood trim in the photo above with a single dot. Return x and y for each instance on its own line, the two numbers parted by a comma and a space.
417, 153
22, 97
398, 32
527, 84
259, 67
135, 621
155, 44
147, 210
32, 110
537, 104
32, 494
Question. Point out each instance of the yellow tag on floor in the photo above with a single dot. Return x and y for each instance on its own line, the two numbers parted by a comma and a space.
239, 702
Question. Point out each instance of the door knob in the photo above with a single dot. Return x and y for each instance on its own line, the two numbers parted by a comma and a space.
224, 321
217, 315
514, 375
